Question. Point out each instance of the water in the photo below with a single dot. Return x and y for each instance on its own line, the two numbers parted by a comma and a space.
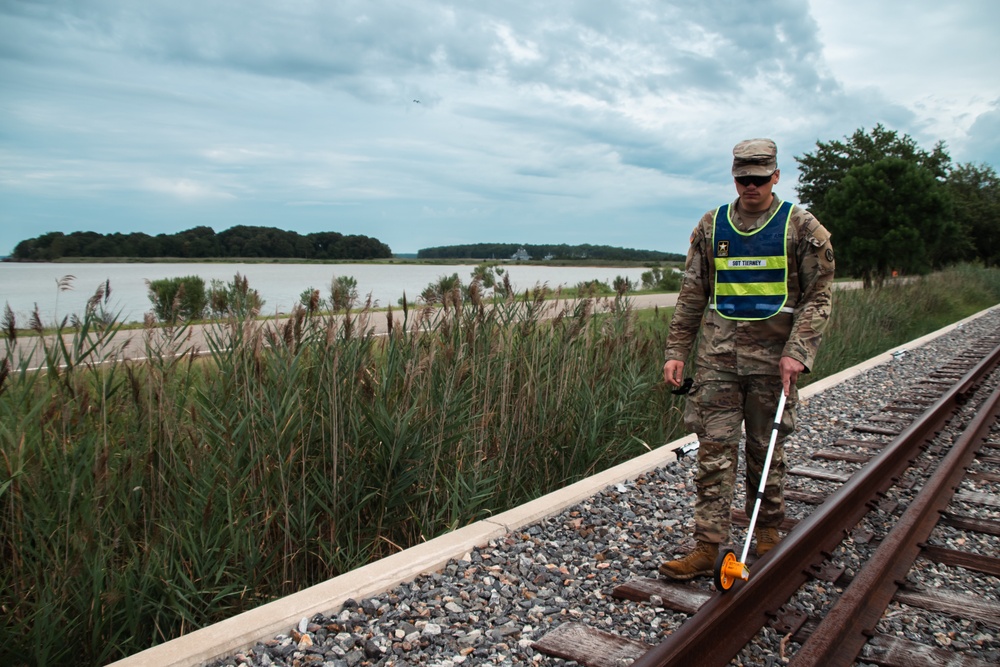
22, 286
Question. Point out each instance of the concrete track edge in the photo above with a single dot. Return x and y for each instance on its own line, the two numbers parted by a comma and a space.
266, 621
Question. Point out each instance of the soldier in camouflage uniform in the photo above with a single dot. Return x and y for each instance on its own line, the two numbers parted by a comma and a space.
759, 307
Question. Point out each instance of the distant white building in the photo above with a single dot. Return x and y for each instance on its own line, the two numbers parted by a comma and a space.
521, 255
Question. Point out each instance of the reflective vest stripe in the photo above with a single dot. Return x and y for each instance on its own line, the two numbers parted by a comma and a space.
750, 289
784, 309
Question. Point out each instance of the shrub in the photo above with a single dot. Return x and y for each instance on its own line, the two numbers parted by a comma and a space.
343, 293
311, 300
658, 279
178, 298
445, 286
592, 288
235, 298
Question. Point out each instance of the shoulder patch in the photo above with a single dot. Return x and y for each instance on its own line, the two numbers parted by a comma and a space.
819, 236
695, 234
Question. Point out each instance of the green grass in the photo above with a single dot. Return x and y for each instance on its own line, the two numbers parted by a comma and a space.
868, 322
141, 500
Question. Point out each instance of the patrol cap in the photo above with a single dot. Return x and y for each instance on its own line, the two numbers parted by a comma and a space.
755, 157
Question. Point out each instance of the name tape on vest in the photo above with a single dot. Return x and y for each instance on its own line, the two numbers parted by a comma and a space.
746, 263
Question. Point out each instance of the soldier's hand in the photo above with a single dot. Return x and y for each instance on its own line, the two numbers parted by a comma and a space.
673, 372
789, 369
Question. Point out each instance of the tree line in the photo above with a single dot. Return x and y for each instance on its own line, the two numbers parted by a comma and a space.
498, 251
894, 207
202, 243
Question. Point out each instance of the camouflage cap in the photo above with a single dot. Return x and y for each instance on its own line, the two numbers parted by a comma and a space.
755, 157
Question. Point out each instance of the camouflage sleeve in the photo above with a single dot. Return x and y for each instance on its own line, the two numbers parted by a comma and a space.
694, 294
814, 253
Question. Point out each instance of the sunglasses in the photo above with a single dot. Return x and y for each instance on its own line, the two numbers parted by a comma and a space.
759, 181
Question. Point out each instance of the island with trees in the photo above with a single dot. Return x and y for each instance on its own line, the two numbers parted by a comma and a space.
241, 241
520, 251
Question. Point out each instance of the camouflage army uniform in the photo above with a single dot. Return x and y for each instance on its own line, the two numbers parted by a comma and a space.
737, 376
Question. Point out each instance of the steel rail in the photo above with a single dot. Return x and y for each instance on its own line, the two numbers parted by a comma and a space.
728, 621
847, 626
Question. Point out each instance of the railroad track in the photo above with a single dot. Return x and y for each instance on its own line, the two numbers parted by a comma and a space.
495, 592
907, 471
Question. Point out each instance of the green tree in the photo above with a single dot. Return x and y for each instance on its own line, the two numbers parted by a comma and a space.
823, 183
199, 242
822, 170
324, 245
79, 244
144, 245
975, 194
889, 215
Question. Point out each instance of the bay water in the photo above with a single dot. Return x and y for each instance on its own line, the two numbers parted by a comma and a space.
24, 286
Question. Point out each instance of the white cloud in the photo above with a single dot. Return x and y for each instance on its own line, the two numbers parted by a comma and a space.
237, 155
520, 50
938, 60
185, 189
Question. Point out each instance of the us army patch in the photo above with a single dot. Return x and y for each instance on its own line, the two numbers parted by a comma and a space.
722, 249
829, 254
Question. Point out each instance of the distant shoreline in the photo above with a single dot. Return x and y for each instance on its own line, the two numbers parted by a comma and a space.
291, 260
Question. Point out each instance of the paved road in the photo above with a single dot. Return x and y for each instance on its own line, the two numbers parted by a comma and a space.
130, 344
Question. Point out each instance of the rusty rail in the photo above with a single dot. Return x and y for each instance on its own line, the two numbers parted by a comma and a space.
728, 621
845, 629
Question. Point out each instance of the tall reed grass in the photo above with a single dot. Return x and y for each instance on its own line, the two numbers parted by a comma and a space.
140, 500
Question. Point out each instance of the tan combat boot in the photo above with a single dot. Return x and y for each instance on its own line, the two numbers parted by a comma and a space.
698, 563
766, 539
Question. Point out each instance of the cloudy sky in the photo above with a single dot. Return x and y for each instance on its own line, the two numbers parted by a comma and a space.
435, 122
